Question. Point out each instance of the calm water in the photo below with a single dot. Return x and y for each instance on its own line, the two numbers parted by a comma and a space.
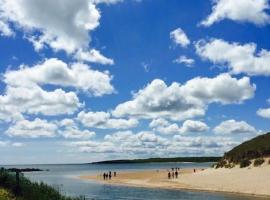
64, 178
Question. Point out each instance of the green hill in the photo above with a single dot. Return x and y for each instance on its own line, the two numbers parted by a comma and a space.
256, 148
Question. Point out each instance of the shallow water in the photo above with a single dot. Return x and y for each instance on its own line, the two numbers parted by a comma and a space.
65, 179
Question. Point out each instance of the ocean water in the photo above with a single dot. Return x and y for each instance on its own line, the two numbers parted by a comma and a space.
65, 179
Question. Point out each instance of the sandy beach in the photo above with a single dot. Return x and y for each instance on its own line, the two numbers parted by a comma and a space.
250, 181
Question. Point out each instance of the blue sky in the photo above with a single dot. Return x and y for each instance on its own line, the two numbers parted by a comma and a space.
106, 79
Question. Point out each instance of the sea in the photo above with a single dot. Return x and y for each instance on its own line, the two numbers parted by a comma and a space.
64, 178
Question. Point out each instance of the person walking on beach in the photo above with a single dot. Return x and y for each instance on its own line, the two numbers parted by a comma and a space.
110, 175
169, 175
172, 174
114, 174
104, 176
176, 174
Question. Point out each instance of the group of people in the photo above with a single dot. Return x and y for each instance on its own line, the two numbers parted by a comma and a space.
108, 176
174, 173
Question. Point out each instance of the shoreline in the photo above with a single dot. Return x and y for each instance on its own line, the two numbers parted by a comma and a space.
248, 181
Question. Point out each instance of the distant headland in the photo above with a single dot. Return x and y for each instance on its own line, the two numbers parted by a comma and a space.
160, 160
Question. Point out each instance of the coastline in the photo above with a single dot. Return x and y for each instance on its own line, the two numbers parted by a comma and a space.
252, 181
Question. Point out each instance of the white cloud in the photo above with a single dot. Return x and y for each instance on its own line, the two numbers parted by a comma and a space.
106, 1
69, 129
179, 37
188, 126
234, 127
145, 144
37, 101
7, 113
158, 123
191, 126
93, 56
185, 101
5, 29
18, 144
125, 142
264, 112
76, 133
202, 145
32, 129
185, 60
56, 72
62, 24
239, 58
103, 120
253, 11
59, 24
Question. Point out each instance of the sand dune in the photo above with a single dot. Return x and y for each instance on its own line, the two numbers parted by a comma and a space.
252, 181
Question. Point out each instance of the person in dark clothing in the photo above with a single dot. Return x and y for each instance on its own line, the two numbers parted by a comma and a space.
114, 174
176, 174
172, 174
104, 176
110, 175
169, 175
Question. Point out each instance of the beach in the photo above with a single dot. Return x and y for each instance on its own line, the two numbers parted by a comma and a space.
249, 181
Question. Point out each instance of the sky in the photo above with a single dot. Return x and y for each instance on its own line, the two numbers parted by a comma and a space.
93, 80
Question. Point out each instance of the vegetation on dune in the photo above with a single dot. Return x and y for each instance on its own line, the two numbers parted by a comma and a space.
26, 190
159, 160
258, 162
6, 195
244, 163
256, 148
252, 149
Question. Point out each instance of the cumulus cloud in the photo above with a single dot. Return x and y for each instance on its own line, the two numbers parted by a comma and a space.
32, 129
206, 145
73, 132
264, 112
179, 37
234, 127
191, 126
185, 60
239, 58
125, 142
104, 120
37, 101
253, 11
56, 72
37, 128
70, 130
5, 29
106, 1
25, 91
188, 126
93, 56
59, 24
185, 101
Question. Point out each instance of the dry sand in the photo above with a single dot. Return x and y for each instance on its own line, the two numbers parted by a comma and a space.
251, 181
